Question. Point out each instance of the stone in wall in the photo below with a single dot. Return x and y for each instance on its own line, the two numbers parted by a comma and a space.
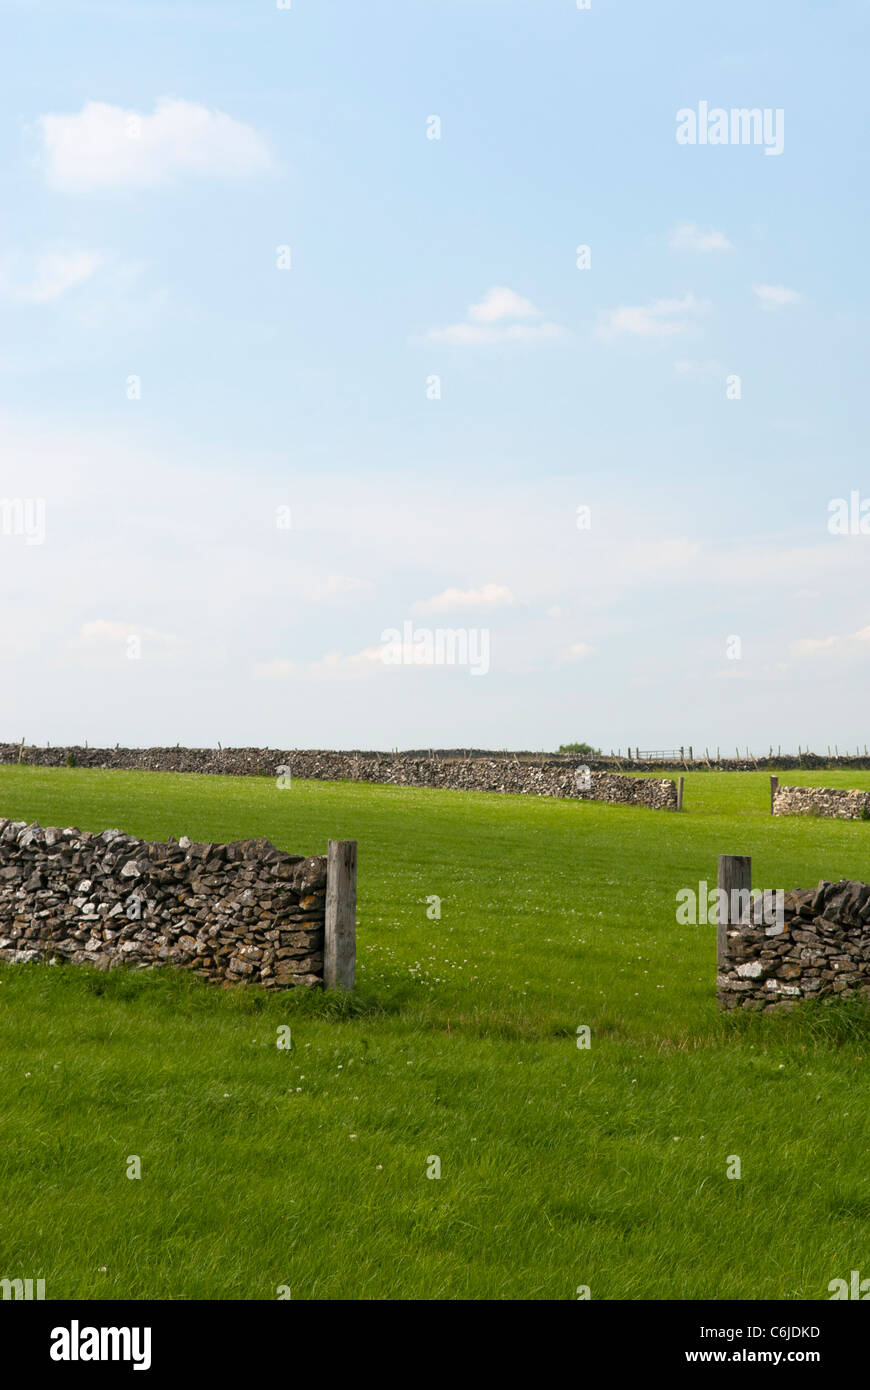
822, 950
236, 912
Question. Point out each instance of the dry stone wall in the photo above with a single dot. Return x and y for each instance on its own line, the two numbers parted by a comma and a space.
236, 912
544, 777
259, 761
821, 801
820, 948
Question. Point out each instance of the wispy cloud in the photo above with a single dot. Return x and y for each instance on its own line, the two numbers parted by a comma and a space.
835, 645
688, 237
700, 371
333, 666
104, 644
489, 596
48, 276
334, 588
662, 318
776, 296
500, 316
501, 303
102, 631
105, 146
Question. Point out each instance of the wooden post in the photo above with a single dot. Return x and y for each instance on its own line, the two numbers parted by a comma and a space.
735, 872
339, 951
774, 783
680, 781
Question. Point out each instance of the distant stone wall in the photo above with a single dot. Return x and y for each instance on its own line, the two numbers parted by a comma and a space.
490, 775
258, 761
821, 801
237, 912
822, 949
544, 777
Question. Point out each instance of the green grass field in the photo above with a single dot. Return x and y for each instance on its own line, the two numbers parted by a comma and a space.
560, 1166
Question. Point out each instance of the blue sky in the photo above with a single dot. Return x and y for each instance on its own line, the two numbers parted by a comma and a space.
156, 156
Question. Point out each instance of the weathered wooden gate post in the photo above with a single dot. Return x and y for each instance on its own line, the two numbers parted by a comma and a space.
774, 787
735, 872
680, 781
339, 948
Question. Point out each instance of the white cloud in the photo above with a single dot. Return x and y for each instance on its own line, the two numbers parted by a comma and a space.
104, 644
578, 650
334, 586
332, 666
501, 303
490, 595
849, 644
49, 276
688, 237
218, 573
335, 666
100, 631
775, 296
486, 322
703, 371
106, 146
661, 318
466, 334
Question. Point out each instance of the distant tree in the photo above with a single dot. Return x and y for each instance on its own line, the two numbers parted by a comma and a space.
585, 748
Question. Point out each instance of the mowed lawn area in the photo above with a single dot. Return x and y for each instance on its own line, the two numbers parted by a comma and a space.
560, 1167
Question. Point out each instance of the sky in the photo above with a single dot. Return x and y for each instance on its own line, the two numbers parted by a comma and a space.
401, 374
